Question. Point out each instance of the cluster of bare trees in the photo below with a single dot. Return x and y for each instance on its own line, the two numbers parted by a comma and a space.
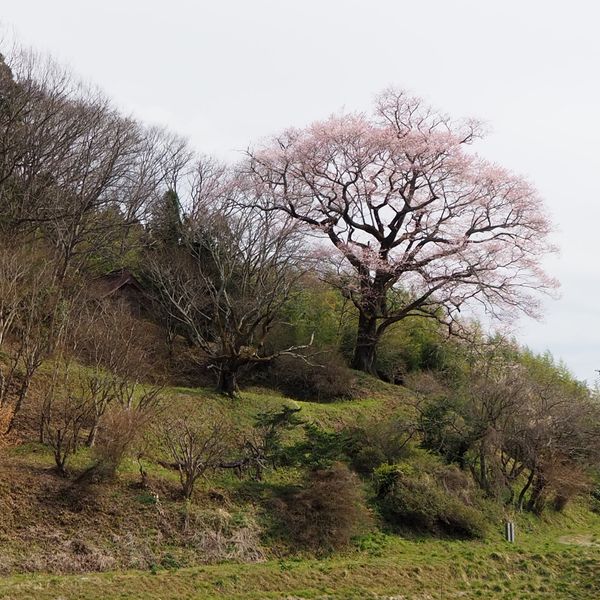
74, 171
401, 218
230, 275
81, 188
524, 428
33, 316
99, 393
205, 443
76, 181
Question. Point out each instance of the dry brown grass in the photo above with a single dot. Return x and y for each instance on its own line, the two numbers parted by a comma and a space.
6, 416
218, 535
54, 525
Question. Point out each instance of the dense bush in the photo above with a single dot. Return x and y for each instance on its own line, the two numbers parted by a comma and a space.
411, 345
363, 447
326, 512
366, 459
444, 430
428, 501
319, 311
595, 498
377, 442
324, 380
566, 482
119, 431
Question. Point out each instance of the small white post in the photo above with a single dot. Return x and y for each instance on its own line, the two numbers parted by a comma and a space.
509, 531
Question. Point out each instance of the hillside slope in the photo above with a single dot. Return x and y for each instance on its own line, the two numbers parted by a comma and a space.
119, 540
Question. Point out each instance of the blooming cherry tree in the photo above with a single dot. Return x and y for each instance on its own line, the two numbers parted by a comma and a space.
417, 224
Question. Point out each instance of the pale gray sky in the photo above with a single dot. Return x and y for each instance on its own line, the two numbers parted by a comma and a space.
228, 72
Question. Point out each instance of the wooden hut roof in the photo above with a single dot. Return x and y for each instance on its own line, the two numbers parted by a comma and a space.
111, 283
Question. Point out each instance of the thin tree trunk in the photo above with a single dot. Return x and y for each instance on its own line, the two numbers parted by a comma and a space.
526, 487
483, 470
42, 430
188, 486
537, 499
91, 439
19, 403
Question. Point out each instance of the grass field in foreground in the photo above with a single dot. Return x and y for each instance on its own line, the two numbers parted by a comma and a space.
558, 559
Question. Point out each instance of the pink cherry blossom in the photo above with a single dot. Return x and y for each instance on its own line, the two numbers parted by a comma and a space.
408, 207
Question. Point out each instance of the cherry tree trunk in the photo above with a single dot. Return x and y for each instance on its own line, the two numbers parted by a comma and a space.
366, 345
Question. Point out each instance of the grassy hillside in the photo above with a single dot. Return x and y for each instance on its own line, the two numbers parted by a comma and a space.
559, 558
117, 540
56, 524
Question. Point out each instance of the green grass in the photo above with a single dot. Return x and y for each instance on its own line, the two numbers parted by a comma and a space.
555, 557
378, 400
537, 566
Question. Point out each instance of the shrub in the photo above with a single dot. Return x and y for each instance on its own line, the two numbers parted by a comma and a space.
219, 535
319, 449
391, 365
7, 436
413, 498
63, 429
367, 459
119, 430
444, 429
327, 512
377, 442
263, 446
196, 445
412, 345
567, 482
328, 379
595, 499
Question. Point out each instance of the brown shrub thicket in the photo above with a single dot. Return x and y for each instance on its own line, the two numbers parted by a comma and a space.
119, 430
428, 497
219, 535
326, 512
7, 438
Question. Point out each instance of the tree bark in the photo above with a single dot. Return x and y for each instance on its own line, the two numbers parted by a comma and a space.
537, 499
372, 308
521, 500
91, 439
19, 403
366, 345
227, 381
188, 485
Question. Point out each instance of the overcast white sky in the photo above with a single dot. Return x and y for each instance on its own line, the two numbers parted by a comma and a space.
228, 72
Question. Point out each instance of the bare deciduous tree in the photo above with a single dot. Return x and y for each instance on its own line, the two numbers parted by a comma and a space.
117, 354
230, 277
65, 412
34, 313
73, 168
196, 445
524, 430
